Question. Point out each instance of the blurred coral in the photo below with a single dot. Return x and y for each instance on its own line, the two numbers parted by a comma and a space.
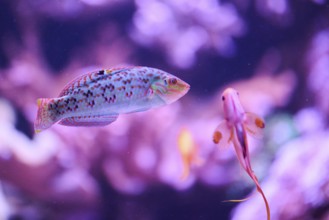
182, 28
318, 65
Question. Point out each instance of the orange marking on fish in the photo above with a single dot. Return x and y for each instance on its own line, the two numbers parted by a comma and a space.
217, 137
259, 123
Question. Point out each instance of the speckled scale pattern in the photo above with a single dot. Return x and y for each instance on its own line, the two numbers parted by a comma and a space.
101, 89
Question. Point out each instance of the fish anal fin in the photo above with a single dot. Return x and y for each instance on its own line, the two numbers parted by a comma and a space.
142, 109
86, 121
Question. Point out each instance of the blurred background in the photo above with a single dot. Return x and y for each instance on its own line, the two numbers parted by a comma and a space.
274, 52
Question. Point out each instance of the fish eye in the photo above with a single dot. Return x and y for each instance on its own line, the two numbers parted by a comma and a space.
223, 98
165, 81
173, 81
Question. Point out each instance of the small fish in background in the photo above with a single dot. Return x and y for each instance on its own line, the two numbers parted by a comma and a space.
234, 129
188, 150
97, 98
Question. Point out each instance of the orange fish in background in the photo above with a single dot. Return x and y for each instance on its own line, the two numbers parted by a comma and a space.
234, 129
188, 151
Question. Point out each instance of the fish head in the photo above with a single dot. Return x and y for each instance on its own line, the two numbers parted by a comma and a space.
232, 107
169, 88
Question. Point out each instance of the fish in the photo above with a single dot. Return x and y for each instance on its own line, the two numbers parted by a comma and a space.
97, 98
188, 150
235, 130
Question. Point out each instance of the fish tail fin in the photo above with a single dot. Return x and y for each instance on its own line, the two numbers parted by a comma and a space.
45, 117
268, 211
259, 189
186, 169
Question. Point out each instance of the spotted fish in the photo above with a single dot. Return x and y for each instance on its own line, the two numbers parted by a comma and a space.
97, 98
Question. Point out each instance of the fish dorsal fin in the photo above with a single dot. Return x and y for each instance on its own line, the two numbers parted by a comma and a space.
94, 76
99, 120
68, 88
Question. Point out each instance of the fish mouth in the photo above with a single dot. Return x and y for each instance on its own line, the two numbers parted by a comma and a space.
175, 92
181, 88
185, 86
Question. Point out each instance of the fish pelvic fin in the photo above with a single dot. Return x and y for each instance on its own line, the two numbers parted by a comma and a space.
87, 121
45, 117
237, 200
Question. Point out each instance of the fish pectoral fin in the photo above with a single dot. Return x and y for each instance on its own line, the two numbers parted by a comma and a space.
254, 125
223, 135
238, 200
98, 120
149, 93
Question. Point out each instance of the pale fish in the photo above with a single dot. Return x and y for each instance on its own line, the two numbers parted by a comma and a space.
234, 129
97, 98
